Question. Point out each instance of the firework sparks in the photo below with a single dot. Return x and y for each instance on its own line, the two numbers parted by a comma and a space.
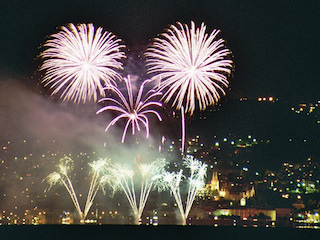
134, 110
191, 67
62, 177
190, 64
79, 61
122, 179
196, 180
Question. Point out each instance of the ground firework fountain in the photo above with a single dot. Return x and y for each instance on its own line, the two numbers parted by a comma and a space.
62, 177
145, 176
196, 180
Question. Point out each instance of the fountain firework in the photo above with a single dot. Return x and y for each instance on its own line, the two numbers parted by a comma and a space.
196, 180
189, 65
133, 109
80, 60
122, 179
62, 177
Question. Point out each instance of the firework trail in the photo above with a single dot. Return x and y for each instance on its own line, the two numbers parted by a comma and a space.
135, 110
122, 179
196, 180
62, 177
190, 65
79, 61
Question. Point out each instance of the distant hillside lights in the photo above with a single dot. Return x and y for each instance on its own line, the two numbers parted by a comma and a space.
306, 108
267, 99
261, 99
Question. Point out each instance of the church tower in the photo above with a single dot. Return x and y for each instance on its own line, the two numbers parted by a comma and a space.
214, 184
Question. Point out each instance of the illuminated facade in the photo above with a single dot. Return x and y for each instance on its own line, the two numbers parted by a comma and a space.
246, 217
246, 213
213, 190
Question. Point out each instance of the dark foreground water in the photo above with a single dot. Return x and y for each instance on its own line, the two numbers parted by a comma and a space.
116, 232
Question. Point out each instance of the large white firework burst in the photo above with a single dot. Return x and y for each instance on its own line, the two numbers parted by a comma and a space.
79, 60
190, 66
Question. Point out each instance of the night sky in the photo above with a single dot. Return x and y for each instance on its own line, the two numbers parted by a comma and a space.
275, 46
275, 43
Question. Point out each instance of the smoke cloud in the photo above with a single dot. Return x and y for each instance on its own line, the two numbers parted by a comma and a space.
38, 130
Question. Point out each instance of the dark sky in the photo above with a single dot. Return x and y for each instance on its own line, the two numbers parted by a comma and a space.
275, 43
275, 46
276, 52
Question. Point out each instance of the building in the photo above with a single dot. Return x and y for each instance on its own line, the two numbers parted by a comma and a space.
213, 191
241, 216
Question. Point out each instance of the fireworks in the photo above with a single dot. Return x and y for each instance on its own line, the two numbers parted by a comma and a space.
79, 61
190, 65
62, 177
196, 180
122, 179
134, 110
192, 69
